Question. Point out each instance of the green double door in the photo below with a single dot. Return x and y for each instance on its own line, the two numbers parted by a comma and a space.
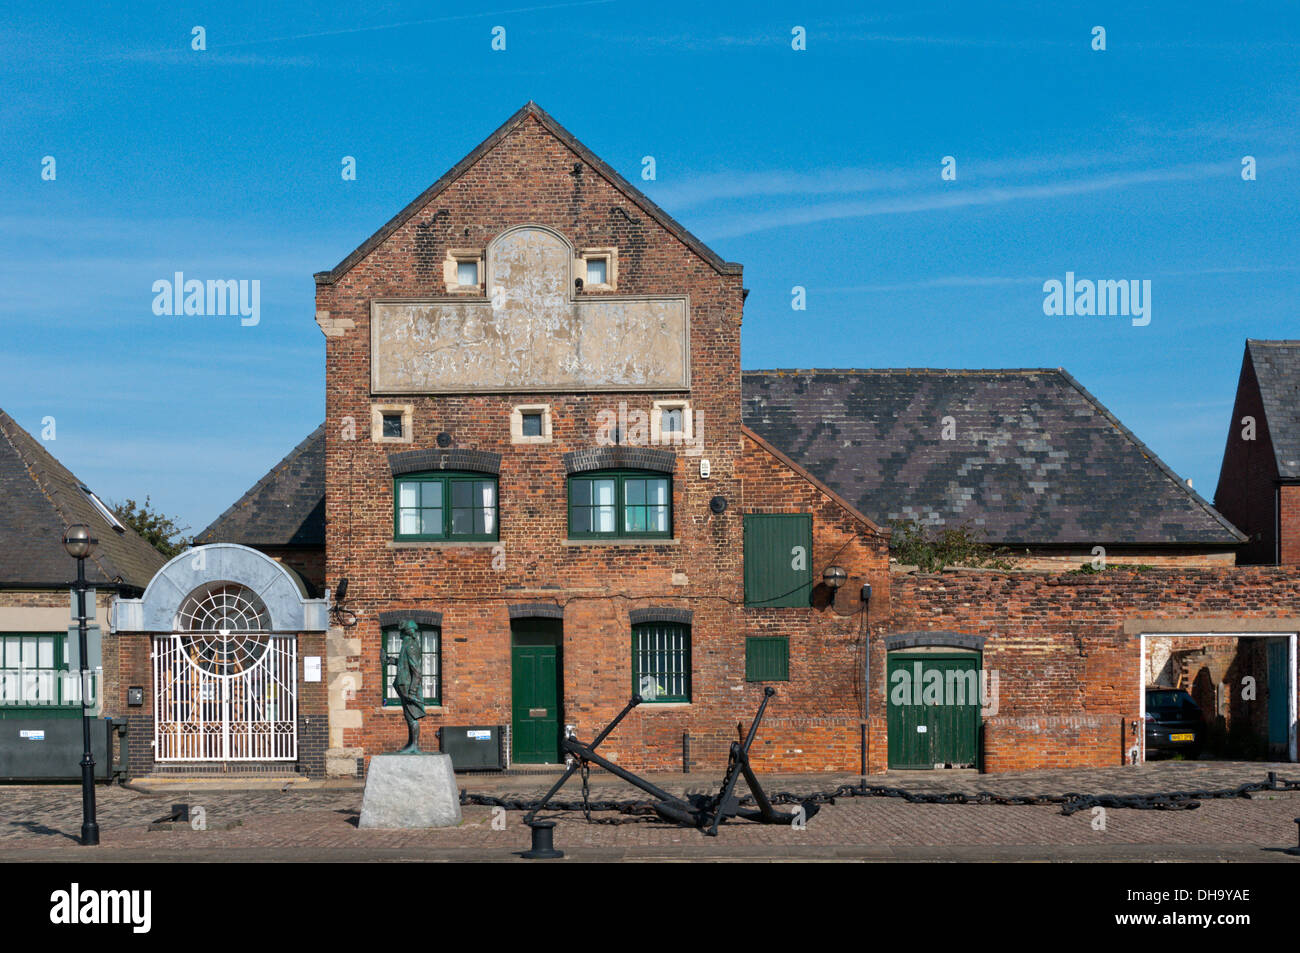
933, 709
535, 687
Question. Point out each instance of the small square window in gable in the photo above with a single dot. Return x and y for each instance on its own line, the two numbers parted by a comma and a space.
670, 422
530, 423
463, 270
391, 423
598, 269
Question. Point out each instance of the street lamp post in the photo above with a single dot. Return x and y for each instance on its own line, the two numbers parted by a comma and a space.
79, 544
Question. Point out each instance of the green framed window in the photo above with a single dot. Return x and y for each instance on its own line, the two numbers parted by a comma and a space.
431, 668
767, 658
661, 661
620, 503
34, 674
778, 559
445, 506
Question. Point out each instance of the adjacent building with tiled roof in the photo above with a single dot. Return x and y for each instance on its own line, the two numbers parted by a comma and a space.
283, 514
1259, 481
1025, 458
42, 499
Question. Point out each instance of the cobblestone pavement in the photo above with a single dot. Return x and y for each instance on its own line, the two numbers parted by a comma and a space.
42, 822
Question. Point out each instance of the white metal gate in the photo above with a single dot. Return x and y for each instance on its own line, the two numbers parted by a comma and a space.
225, 696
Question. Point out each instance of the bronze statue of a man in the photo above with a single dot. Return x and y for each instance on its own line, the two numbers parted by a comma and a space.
408, 683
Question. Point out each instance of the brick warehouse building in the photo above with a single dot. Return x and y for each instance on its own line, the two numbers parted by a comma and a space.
534, 446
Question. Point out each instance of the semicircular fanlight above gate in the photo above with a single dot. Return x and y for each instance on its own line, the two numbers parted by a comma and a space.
224, 624
223, 607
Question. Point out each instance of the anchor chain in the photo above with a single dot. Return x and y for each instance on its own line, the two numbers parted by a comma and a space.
633, 811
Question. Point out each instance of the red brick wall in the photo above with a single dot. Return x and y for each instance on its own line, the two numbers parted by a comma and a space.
1058, 641
529, 177
1032, 742
1246, 491
1289, 520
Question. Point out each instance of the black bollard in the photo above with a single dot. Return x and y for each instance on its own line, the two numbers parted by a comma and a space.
543, 842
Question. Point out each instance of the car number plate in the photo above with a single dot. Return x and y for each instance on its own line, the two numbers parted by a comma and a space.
1188, 737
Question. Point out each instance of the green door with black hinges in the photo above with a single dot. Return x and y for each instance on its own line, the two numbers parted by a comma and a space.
933, 703
535, 667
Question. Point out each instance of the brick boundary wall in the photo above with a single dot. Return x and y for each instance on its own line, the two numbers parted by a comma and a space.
1031, 742
1067, 646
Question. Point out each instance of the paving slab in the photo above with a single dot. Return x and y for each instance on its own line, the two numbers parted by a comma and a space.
42, 822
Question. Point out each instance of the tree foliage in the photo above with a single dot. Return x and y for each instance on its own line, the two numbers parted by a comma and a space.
162, 532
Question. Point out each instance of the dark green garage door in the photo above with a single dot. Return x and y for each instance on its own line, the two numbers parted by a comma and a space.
934, 709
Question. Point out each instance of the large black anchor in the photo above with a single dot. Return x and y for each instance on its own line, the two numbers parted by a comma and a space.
695, 810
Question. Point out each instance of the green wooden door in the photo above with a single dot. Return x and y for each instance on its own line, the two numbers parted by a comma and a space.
1279, 695
933, 709
535, 691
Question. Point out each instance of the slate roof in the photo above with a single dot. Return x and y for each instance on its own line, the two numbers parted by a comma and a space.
284, 508
1036, 459
635, 195
41, 499
1277, 368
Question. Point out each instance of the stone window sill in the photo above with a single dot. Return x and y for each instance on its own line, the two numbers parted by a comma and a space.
624, 541
662, 706
442, 543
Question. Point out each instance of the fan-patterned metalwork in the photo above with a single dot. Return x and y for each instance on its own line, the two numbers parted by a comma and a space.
224, 622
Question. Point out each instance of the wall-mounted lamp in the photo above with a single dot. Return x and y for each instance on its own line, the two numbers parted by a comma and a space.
834, 577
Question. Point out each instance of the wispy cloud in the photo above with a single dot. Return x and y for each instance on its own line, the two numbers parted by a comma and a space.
950, 196
995, 281
716, 187
407, 24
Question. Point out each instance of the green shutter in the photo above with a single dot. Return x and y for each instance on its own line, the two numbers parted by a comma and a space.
767, 659
778, 559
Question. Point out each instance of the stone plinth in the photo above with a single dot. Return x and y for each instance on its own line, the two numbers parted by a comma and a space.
409, 791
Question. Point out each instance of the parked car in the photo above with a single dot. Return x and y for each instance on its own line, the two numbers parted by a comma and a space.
1174, 722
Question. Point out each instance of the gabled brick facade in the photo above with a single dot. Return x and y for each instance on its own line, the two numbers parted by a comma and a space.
532, 173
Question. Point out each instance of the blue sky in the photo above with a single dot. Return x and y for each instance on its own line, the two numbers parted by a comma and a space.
818, 168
